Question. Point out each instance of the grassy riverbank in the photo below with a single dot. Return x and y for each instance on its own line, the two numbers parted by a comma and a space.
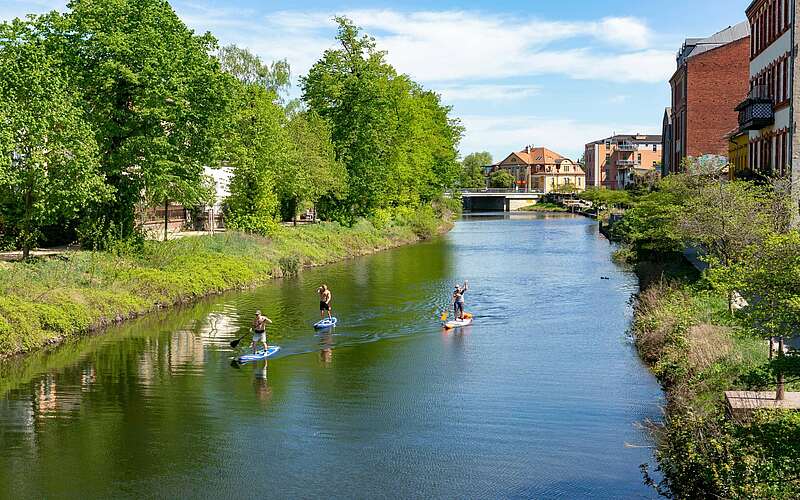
47, 301
544, 207
698, 350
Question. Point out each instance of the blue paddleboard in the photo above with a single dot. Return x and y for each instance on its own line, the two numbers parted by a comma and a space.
246, 358
325, 323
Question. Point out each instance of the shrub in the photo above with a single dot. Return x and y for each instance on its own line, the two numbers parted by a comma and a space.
501, 179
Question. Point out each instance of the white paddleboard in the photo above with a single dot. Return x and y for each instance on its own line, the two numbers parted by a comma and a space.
457, 323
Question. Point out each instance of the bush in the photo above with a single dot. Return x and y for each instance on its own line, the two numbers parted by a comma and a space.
252, 224
708, 456
501, 179
381, 218
290, 265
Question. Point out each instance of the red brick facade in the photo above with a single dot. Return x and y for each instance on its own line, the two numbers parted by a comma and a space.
705, 93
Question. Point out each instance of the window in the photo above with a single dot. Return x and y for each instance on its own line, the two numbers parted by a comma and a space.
655, 147
639, 157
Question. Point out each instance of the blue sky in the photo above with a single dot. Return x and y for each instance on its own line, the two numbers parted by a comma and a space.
556, 74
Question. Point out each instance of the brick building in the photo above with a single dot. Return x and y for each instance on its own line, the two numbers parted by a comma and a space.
615, 161
766, 114
711, 79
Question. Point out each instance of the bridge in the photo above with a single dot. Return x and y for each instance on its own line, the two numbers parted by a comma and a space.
498, 200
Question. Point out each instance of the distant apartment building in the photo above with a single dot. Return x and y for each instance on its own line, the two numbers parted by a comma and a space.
765, 115
615, 162
711, 79
542, 170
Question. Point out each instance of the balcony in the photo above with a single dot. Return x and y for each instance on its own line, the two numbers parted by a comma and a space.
756, 112
627, 163
626, 146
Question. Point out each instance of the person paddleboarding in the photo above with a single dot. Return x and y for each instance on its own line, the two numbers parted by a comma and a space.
325, 301
458, 300
260, 331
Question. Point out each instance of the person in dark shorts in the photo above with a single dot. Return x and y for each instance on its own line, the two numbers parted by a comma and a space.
458, 300
260, 331
324, 301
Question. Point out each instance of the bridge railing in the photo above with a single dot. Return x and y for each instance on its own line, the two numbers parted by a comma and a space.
498, 191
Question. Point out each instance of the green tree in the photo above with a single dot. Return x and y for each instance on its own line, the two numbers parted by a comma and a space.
312, 171
154, 95
249, 69
396, 139
48, 154
472, 170
726, 219
256, 147
501, 179
769, 277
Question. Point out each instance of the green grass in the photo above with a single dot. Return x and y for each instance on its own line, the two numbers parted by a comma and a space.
48, 301
544, 207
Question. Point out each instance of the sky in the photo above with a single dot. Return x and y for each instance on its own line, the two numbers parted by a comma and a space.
516, 73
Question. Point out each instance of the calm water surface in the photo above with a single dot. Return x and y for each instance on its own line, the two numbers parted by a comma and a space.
540, 398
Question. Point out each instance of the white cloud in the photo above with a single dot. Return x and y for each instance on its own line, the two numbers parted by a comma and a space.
450, 46
625, 31
437, 46
486, 92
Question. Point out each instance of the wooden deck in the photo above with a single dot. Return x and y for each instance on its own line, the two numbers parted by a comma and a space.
741, 404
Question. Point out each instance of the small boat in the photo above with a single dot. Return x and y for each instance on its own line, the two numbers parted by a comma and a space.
325, 323
247, 358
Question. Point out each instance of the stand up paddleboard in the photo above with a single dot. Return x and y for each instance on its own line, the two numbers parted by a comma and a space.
325, 323
458, 323
247, 358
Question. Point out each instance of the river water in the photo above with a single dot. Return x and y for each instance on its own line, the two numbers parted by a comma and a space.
540, 398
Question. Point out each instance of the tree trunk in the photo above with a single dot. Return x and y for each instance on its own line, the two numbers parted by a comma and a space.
166, 219
780, 393
26, 242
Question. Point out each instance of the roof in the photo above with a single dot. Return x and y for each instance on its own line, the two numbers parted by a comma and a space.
544, 155
631, 138
536, 156
693, 47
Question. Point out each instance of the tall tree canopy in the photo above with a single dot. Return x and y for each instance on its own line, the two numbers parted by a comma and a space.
249, 69
153, 93
396, 139
256, 147
49, 166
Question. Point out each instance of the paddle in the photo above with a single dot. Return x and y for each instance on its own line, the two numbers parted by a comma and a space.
235, 343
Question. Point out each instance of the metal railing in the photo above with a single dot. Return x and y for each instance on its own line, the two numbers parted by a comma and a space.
499, 191
627, 163
760, 92
626, 146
